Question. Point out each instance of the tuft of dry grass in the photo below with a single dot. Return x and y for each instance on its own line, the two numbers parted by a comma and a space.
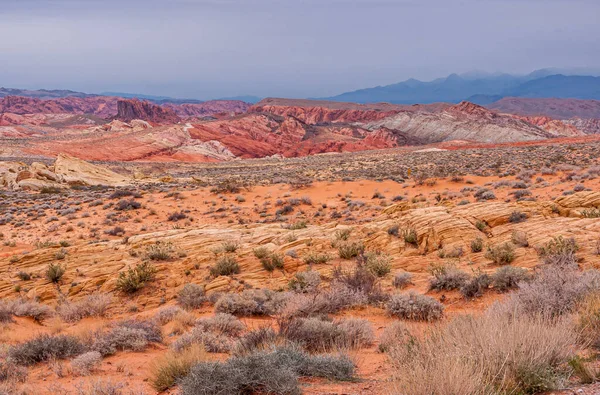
491, 354
167, 369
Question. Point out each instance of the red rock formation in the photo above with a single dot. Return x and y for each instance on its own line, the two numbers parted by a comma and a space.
317, 112
102, 106
231, 107
130, 109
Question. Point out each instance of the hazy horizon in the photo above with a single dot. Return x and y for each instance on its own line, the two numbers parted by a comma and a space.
208, 49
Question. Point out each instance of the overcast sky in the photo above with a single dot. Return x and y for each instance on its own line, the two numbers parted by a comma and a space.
292, 48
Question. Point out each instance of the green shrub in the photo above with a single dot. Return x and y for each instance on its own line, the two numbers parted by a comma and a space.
502, 254
225, 266
54, 272
349, 250
477, 245
379, 264
135, 278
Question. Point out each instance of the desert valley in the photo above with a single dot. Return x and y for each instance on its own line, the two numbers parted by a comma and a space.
298, 246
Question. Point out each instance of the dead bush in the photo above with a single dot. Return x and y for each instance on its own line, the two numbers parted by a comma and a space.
307, 281
85, 363
447, 277
402, 279
133, 335
191, 296
413, 306
94, 305
251, 302
274, 372
45, 347
559, 251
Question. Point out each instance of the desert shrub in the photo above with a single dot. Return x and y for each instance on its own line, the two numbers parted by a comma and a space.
476, 286
554, 291
410, 236
588, 319
225, 266
559, 251
100, 387
519, 238
316, 334
24, 308
394, 230
307, 281
126, 205
359, 279
394, 335
447, 277
191, 296
500, 352
483, 194
413, 306
86, 362
24, 276
507, 278
116, 231
251, 302
135, 278
477, 245
257, 339
315, 258
343, 234
160, 251
330, 301
272, 261
379, 264
402, 279
261, 252
121, 193
210, 341
481, 225
228, 185
90, 306
177, 216
273, 372
12, 373
349, 250
45, 347
5, 313
173, 366
502, 254
591, 213
517, 216
167, 314
134, 335
54, 272
454, 252
223, 323
229, 246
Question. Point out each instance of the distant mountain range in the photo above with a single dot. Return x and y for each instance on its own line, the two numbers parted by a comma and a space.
476, 87
479, 88
46, 94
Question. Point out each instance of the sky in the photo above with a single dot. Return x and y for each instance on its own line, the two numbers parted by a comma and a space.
287, 48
